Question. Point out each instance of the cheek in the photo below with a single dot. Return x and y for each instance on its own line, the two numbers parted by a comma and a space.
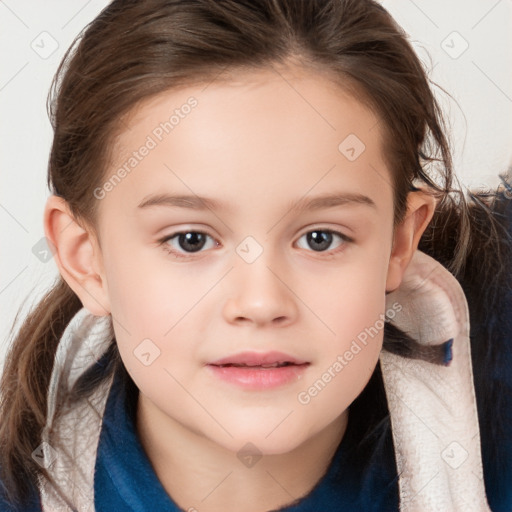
339, 382
152, 303
347, 360
350, 298
353, 312
149, 292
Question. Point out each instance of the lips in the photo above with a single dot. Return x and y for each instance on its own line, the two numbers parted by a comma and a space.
259, 360
258, 371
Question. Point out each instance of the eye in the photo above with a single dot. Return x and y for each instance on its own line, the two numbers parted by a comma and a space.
187, 241
321, 239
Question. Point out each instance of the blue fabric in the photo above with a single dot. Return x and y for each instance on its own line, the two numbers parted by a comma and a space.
125, 480
34, 504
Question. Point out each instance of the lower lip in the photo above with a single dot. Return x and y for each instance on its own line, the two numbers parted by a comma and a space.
259, 378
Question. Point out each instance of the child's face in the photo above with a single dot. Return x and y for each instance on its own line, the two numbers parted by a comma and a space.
256, 283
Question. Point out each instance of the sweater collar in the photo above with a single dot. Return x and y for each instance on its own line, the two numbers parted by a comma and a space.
432, 406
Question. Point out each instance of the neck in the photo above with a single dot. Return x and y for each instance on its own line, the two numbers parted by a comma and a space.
199, 474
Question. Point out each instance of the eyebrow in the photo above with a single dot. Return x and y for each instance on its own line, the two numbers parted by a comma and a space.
202, 203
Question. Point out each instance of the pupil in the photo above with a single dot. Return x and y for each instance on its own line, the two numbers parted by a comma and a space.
188, 241
321, 239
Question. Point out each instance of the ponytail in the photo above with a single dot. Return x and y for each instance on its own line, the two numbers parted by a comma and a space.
24, 385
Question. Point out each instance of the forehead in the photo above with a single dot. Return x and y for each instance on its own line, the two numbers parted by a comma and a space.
248, 135
317, 102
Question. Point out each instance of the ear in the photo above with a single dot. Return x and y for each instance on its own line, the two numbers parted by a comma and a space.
420, 210
77, 255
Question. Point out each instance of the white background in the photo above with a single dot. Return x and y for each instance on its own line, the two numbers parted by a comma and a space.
479, 78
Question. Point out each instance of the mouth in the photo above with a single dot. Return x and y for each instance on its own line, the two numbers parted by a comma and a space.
259, 359
259, 371
261, 366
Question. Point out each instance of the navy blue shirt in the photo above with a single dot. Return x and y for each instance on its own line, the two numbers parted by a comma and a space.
126, 481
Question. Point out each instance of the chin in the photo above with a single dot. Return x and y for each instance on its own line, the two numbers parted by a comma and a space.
259, 440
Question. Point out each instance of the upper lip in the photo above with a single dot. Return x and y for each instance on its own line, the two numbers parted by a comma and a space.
258, 358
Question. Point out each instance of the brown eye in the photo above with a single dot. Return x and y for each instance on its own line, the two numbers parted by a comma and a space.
321, 239
185, 242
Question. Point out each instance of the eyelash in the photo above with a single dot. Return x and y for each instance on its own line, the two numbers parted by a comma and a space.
163, 242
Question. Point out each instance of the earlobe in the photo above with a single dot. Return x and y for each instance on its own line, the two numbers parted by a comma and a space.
420, 210
77, 256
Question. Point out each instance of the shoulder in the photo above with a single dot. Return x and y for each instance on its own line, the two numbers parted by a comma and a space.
33, 504
487, 283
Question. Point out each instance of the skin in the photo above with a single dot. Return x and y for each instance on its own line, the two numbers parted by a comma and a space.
257, 142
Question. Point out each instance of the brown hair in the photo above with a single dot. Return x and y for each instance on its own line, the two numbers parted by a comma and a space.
134, 50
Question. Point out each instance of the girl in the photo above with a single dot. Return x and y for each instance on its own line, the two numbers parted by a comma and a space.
339, 339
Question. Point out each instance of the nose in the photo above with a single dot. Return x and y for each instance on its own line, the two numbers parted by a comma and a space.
260, 295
